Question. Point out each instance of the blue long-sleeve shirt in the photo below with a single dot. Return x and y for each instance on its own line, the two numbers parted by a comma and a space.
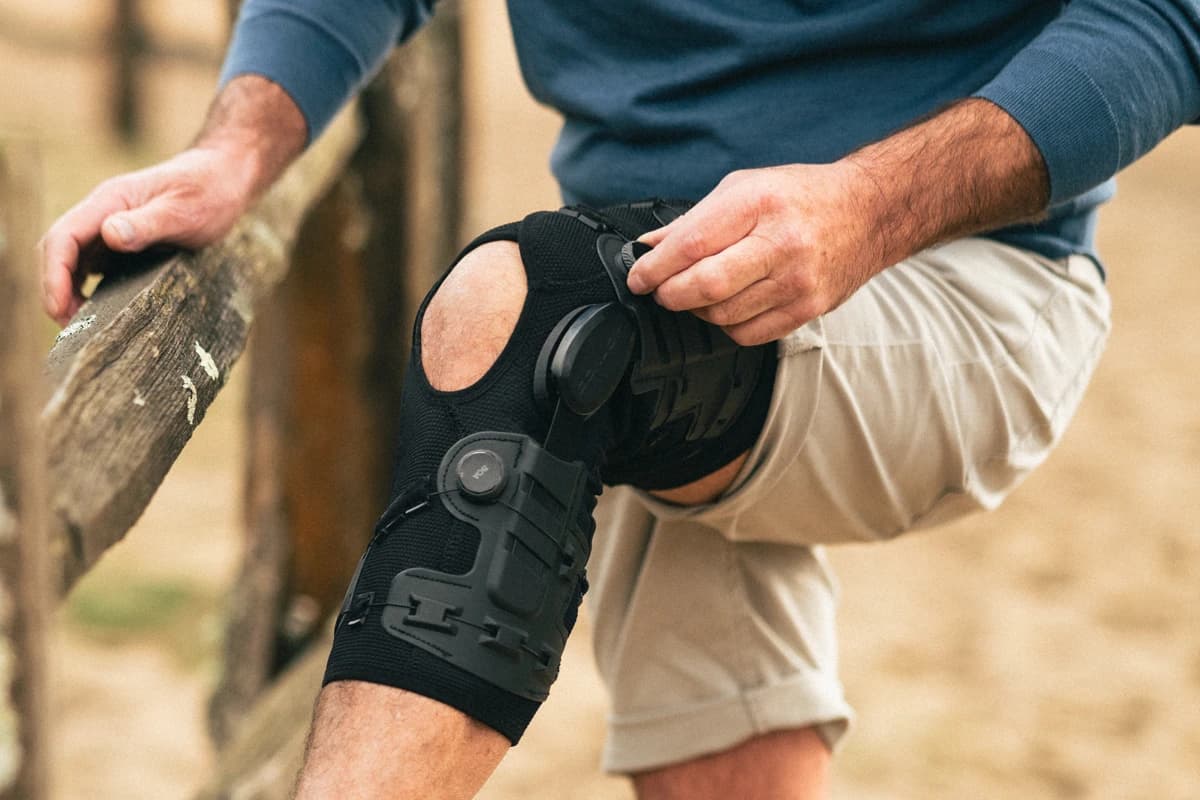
665, 97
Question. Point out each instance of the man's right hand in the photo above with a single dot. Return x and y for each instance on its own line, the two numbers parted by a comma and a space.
254, 130
190, 200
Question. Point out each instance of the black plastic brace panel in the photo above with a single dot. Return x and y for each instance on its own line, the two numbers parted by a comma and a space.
698, 372
504, 620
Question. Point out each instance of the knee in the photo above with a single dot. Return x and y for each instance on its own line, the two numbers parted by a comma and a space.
471, 316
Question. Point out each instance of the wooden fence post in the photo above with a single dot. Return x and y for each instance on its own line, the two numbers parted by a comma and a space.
25, 599
328, 362
128, 42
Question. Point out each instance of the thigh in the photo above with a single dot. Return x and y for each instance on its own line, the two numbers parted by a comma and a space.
929, 394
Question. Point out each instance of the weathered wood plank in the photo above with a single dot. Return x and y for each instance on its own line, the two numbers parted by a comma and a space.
134, 375
329, 361
24, 591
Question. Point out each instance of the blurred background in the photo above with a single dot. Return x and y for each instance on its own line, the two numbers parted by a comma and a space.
1050, 649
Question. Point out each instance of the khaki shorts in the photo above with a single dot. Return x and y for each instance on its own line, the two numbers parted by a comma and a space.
929, 394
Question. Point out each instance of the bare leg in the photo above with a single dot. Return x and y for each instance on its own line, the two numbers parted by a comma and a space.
373, 742
370, 741
784, 765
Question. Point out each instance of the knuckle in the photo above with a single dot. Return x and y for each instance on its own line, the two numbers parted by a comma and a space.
671, 295
722, 314
802, 312
693, 244
667, 296
791, 239
769, 203
57, 240
106, 187
713, 289
797, 282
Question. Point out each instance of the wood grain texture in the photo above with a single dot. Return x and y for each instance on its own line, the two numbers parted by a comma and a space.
24, 591
142, 361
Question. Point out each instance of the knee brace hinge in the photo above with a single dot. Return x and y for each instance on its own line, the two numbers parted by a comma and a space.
503, 621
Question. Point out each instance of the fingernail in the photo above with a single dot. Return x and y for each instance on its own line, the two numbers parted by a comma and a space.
635, 281
122, 228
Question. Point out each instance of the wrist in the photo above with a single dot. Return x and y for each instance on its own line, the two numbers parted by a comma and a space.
256, 130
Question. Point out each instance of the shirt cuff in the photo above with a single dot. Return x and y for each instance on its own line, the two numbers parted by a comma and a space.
1065, 113
316, 70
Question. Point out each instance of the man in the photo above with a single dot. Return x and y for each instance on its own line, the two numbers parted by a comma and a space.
900, 194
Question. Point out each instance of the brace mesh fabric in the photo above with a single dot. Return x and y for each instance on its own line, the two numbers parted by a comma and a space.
563, 273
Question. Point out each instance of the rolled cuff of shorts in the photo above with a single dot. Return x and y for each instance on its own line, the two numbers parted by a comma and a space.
649, 741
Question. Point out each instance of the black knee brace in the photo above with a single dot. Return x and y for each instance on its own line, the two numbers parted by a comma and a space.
473, 579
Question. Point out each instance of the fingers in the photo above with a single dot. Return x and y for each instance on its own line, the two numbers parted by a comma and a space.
715, 223
655, 237
717, 278
161, 219
120, 233
184, 201
743, 306
63, 247
766, 327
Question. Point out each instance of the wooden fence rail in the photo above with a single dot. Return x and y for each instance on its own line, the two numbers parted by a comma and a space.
139, 365
24, 590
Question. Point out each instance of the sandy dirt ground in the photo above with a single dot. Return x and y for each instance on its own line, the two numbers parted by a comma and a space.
1050, 649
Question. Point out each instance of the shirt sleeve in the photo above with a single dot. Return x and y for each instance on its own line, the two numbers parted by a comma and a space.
320, 51
1102, 85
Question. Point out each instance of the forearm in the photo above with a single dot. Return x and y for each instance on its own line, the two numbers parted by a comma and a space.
968, 169
255, 124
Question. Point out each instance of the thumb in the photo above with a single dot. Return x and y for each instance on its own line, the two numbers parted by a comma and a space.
138, 228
